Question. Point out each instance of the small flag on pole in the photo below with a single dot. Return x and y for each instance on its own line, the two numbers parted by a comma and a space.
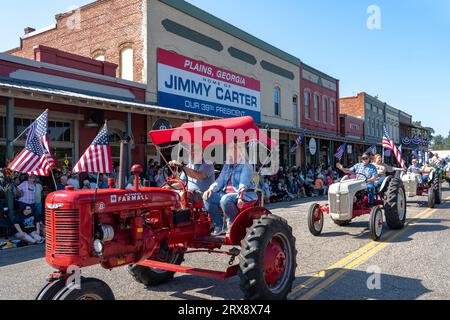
388, 144
298, 141
340, 151
97, 158
35, 158
372, 149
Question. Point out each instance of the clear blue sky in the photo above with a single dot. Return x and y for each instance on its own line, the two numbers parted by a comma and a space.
406, 63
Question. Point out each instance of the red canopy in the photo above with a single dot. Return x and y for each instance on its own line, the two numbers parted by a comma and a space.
209, 132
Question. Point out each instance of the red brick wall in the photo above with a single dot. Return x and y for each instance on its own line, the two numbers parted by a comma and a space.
353, 105
347, 130
75, 61
311, 123
106, 25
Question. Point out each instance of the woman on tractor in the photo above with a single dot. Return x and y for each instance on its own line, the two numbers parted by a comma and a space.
382, 170
231, 189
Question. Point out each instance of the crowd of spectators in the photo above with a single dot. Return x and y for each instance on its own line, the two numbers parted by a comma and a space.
297, 182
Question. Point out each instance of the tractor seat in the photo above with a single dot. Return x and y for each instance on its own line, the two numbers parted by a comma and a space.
249, 204
197, 205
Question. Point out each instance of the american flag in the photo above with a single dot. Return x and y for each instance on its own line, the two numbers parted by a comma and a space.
97, 158
436, 160
340, 151
298, 141
372, 149
390, 145
35, 158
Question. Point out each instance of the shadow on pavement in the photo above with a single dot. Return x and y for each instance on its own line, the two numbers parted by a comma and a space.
354, 285
187, 287
18, 255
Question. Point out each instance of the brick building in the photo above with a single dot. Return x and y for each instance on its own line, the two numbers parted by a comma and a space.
80, 95
352, 131
319, 115
154, 41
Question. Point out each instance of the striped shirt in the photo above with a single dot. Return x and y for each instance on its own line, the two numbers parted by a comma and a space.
29, 193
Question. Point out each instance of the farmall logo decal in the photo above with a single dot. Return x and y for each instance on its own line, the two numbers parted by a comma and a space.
128, 197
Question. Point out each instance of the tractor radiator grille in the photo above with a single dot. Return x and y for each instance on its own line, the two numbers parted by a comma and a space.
342, 206
62, 232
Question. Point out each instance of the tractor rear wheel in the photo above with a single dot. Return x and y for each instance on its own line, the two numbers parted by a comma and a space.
437, 188
431, 197
267, 260
90, 289
376, 223
153, 277
395, 204
315, 219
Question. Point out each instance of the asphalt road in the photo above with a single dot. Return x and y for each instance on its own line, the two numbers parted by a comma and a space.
343, 263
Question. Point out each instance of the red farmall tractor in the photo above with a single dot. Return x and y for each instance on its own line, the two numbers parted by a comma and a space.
151, 230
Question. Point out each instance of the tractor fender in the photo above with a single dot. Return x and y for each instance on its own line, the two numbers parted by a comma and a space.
385, 184
245, 220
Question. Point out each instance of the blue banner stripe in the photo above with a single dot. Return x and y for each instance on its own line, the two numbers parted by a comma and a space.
204, 107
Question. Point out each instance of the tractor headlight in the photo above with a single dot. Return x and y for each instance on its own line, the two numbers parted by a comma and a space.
98, 247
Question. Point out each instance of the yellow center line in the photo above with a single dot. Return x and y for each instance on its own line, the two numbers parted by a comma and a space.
347, 259
314, 291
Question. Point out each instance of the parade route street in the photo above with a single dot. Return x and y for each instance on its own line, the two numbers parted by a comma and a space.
343, 263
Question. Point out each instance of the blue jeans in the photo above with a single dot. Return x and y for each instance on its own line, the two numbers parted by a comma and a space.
226, 202
379, 182
371, 192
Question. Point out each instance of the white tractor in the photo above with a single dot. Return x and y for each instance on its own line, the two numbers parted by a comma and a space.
349, 199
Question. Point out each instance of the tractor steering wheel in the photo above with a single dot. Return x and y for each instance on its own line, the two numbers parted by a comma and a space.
360, 174
171, 173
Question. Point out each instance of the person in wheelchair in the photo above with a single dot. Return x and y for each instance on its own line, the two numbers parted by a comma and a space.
232, 189
368, 171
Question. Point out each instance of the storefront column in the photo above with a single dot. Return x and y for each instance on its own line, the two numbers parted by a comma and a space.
10, 148
129, 133
76, 140
289, 151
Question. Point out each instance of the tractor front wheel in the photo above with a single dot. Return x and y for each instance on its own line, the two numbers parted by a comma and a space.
153, 277
315, 219
51, 289
267, 260
89, 289
376, 223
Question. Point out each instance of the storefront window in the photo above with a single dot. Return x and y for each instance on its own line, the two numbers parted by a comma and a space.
59, 131
20, 125
332, 112
316, 107
276, 100
64, 156
325, 110
295, 111
307, 104
114, 142
2, 128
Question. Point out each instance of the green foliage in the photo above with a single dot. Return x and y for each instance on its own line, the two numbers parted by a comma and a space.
441, 143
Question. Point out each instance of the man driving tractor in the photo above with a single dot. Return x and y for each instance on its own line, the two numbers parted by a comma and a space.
368, 170
199, 177
421, 171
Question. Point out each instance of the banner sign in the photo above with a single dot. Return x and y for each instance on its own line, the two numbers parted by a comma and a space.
418, 141
190, 85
